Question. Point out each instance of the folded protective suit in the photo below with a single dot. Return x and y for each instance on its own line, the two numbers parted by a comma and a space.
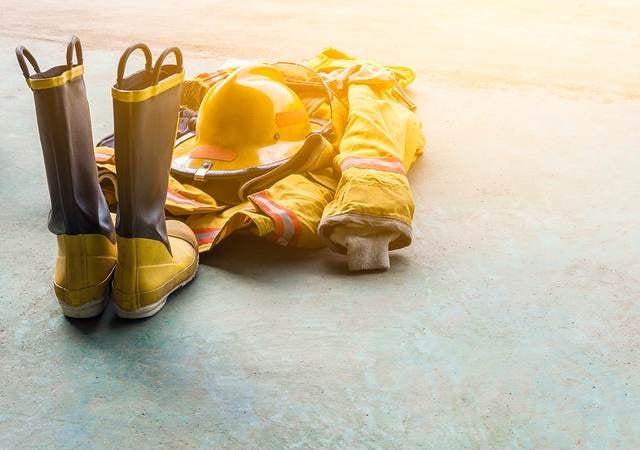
339, 182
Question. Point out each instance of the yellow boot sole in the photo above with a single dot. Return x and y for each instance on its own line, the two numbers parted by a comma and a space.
84, 269
154, 308
89, 309
147, 273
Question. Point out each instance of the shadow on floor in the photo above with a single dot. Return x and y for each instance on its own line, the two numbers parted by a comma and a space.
246, 256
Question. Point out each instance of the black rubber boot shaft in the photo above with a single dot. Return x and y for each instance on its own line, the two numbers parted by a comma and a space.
144, 136
64, 122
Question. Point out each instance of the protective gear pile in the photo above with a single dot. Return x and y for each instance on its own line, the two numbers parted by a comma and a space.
304, 156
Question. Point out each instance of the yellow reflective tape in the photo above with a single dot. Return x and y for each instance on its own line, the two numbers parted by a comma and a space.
144, 94
51, 82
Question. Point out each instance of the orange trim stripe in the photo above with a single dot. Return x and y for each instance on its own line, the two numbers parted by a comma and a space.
287, 225
180, 199
102, 157
206, 235
293, 117
263, 203
387, 164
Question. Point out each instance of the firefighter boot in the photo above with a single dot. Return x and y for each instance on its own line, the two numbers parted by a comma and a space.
155, 256
79, 214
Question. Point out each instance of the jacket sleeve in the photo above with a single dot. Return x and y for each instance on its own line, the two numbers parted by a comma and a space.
373, 206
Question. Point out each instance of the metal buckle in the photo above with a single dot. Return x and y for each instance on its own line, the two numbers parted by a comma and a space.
201, 173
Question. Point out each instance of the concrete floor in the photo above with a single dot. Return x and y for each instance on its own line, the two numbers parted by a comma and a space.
511, 322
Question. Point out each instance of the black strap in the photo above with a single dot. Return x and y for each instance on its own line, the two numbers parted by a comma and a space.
125, 57
156, 69
21, 54
74, 44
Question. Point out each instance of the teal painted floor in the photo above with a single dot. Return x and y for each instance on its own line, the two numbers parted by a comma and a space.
511, 322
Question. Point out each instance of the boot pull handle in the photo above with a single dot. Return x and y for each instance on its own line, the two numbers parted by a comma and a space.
125, 57
157, 68
74, 43
21, 54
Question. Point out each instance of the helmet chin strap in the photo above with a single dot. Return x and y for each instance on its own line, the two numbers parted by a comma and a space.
306, 159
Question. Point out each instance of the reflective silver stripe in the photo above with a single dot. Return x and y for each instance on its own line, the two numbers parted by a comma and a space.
206, 236
288, 227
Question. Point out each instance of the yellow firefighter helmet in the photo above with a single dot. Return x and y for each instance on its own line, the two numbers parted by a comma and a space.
251, 120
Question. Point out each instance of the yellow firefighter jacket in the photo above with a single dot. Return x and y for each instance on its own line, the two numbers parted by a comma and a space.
355, 198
